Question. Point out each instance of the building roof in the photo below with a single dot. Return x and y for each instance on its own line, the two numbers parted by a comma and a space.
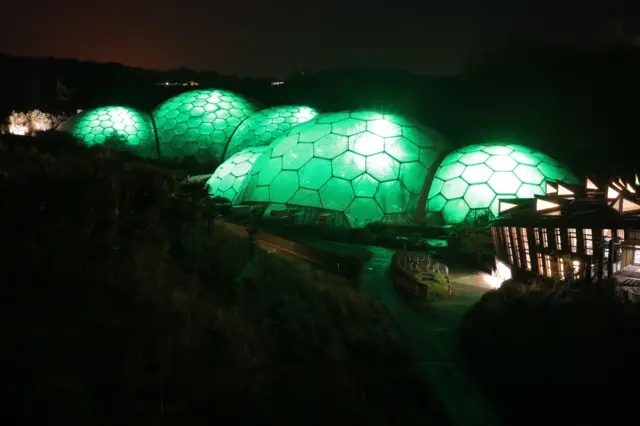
613, 203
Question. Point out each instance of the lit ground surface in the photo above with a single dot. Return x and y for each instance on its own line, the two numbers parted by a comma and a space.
429, 331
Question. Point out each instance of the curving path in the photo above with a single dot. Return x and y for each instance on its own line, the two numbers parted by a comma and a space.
429, 332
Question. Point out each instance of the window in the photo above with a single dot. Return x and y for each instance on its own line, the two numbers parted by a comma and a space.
540, 265
606, 237
536, 235
561, 268
525, 244
494, 237
620, 233
545, 238
508, 243
573, 240
516, 245
558, 239
547, 262
576, 267
588, 241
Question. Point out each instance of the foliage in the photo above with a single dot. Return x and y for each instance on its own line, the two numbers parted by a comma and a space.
128, 306
540, 349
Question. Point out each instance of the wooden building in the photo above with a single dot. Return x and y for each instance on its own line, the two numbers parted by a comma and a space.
573, 231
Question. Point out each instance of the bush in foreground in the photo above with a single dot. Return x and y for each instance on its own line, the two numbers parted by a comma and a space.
128, 306
549, 356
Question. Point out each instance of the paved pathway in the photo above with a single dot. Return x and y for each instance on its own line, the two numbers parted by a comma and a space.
429, 332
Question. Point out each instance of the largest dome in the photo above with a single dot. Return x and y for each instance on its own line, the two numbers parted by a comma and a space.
470, 180
363, 166
263, 127
134, 128
199, 123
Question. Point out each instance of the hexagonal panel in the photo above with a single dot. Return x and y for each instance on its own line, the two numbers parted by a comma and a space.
336, 194
364, 163
493, 171
267, 125
234, 170
222, 109
348, 165
363, 211
127, 128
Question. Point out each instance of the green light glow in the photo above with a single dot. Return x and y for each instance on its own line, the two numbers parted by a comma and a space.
199, 123
471, 180
367, 165
226, 181
263, 127
131, 126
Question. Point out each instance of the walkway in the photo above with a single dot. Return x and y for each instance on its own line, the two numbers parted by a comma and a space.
429, 332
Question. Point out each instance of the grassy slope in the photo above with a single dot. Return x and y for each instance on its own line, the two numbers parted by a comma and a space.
153, 315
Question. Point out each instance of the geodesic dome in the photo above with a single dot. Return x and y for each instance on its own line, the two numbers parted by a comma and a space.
364, 165
227, 180
470, 180
200, 123
265, 126
134, 128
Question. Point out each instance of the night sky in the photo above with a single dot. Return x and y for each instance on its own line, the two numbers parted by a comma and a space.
265, 38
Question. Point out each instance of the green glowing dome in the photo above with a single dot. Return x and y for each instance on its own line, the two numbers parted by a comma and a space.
470, 181
226, 181
199, 123
263, 127
129, 125
365, 165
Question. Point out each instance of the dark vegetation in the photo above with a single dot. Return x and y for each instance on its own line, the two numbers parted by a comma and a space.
123, 303
548, 356
569, 103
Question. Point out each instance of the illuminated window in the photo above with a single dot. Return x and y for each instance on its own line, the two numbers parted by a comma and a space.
561, 267
545, 238
516, 245
525, 244
620, 234
573, 240
540, 265
588, 241
558, 239
547, 261
508, 241
536, 235
576, 267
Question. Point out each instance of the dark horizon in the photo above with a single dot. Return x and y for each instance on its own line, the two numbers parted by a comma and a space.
259, 40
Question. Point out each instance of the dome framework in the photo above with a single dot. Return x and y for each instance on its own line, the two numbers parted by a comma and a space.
363, 165
469, 181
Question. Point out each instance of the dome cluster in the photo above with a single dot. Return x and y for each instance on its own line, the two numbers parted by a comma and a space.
470, 180
357, 166
365, 165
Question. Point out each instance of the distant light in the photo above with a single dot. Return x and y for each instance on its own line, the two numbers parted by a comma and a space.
18, 129
277, 83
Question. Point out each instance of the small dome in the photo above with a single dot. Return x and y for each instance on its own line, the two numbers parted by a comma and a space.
227, 180
199, 123
263, 127
470, 180
133, 127
366, 165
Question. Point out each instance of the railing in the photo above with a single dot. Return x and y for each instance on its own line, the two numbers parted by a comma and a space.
421, 264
